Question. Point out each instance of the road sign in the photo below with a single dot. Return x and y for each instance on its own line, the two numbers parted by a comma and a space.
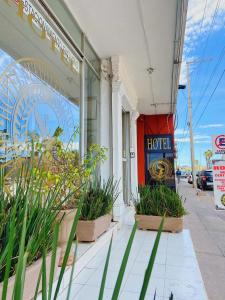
219, 183
218, 144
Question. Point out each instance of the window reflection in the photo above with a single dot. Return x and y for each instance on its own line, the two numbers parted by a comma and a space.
91, 103
31, 106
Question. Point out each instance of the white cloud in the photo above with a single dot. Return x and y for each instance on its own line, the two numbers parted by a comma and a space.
211, 126
180, 131
182, 140
198, 138
196, 29
203, 142
201, 137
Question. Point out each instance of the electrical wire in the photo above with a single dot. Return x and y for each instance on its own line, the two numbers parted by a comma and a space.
210, 98
222, 54
185, 126
209, 34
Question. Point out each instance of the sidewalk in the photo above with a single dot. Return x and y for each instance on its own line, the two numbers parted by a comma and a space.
176, 269
207, 228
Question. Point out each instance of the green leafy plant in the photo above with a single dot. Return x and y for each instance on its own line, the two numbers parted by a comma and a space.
29, 229
47, 289
63, 161
98, 198
159, 201
26, 201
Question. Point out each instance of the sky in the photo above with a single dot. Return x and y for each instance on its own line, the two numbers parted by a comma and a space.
205, 46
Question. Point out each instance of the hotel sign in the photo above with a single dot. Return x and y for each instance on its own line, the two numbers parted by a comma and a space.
158, 143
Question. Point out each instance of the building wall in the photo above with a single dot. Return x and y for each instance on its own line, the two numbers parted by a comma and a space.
150, 124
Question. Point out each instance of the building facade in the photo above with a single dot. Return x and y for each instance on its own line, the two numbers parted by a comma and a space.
115, 76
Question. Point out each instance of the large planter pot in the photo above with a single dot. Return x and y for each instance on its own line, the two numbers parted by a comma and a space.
31, 278
89, 231
152, 223
67, 217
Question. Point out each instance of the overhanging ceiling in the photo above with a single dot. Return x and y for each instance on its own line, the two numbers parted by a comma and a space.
146, 34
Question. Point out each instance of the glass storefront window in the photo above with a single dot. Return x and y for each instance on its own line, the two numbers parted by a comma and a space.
92, 107
39, 78
92, 57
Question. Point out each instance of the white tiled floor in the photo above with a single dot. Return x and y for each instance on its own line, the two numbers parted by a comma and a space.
176, 269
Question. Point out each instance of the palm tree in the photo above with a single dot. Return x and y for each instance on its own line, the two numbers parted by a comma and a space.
208, 155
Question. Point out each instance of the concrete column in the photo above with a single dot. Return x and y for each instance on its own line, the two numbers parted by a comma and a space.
106, 117
117, 153
133, 142
118, 209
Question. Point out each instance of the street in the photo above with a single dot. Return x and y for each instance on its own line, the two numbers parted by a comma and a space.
210, 193
207, 227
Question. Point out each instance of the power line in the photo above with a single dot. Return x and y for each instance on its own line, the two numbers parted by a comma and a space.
209, 33
210, 98
210, 78
203, 16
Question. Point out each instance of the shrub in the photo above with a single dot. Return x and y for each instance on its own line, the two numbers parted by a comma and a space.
98, 198
25, 199
159, 200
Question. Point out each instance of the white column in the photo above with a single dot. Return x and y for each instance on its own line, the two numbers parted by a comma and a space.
133, 142
105, 117
118, 209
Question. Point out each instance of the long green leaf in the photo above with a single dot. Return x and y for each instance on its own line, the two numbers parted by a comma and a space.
20, 269
101, 293
44, 277
53, 259
68, 248
9, 254
38, 284
148, 271
72, 271
124, 264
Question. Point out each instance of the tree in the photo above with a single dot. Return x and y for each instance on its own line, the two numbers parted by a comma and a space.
208, 155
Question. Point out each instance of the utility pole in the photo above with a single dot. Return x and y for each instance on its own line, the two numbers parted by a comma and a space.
191, 127
188, 63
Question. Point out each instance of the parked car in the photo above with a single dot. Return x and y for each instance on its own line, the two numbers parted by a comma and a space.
190, 180
205, 180
183, 174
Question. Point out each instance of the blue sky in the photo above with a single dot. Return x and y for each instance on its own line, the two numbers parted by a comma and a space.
204, 40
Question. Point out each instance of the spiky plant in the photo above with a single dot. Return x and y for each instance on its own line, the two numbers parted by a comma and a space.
159, 201
98, 198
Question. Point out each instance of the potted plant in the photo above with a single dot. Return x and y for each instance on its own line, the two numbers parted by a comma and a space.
156, 202
96, 213
63, 163
25, 202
